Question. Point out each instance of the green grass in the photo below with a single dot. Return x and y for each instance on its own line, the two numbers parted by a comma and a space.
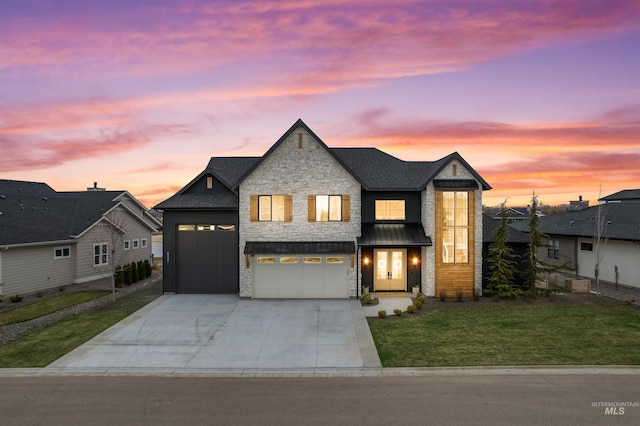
44, 346
522, 335
48, 306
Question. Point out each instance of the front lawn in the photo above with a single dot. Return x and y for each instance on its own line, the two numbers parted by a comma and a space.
514, 335
48, 306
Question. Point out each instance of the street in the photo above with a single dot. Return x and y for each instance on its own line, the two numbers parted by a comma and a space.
507, 399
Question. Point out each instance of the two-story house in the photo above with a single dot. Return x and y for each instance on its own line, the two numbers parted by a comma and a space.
309, 221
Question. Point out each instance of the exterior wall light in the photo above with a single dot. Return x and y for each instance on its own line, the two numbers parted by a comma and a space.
365, 260
415, 260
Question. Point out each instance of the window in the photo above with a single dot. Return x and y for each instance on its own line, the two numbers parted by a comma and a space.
127, 245
455, 227
206, 227
329, 208
270, 208
553, 249
186, 227
586, 246
227, 227
288, 260
266, 260
209, 182
335, 259
61, 252
312, 260
136, 244
390, 210
143, 242
100, 254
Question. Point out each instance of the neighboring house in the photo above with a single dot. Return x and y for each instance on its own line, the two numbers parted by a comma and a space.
50, 239
516, 239
571, 243
305, 220
514, 214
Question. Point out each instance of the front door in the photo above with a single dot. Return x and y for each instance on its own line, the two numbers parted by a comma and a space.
390, 270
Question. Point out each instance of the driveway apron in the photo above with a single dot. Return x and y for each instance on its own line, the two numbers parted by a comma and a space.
223, 331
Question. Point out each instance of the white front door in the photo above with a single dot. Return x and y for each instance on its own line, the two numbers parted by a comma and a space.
390, 270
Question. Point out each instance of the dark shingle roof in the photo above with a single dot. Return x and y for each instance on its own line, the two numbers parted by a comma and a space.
33, 212
624, 195
623, 222
489, 226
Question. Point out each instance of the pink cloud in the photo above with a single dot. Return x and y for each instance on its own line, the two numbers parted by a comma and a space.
318, 43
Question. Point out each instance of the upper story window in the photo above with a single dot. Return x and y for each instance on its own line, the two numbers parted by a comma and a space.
586, 246
270, 208
329, 208
553, 249
455, 227
390, 210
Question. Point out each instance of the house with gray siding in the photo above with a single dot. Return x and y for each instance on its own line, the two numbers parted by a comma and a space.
50, 239
309, 221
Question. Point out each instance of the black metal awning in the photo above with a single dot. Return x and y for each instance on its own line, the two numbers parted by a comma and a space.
393, 234
303, 247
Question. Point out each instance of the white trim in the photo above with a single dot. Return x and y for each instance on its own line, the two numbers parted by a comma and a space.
143, 243
136, 244
62, 256
126, 245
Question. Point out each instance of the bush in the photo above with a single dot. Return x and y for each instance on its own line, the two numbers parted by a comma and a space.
118, 277
382, 314
418, 303
398, 312
411, 309
443, 296
141, 271
147, 268
127, 274
134, 272
421, 297
15, 298
367, 299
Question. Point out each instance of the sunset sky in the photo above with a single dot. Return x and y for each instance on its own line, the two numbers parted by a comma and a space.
139, 94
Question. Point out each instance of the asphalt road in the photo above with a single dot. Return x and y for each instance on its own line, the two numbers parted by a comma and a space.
439, 400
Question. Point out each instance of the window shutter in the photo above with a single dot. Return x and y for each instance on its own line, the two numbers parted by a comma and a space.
312, 208
346, 208
288, 208
253, 208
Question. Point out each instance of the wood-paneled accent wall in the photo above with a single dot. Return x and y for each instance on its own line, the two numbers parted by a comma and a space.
451, 276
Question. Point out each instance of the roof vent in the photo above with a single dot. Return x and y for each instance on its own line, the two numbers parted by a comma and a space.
45, 199
3, 197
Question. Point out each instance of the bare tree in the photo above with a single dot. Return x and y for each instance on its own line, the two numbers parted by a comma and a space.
599, 239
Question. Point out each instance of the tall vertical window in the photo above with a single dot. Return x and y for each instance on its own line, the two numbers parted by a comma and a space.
100, 254
455, 227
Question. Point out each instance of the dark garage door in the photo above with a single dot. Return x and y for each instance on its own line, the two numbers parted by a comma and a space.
207, 259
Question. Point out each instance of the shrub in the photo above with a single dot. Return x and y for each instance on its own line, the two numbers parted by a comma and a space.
421, 297
476, 295
459, 294
141, 271
418, 303
61, 288
398, 312
134, 273
40, 294
367, 299
127, 274
118, 277
147, 268
443, 296
382, 314
411, 309
15, 298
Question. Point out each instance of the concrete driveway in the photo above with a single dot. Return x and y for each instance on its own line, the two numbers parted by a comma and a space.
223, 331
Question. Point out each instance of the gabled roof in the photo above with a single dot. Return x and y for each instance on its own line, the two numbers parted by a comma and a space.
623, 222
373, 169
624, 195
489, 226
40, 214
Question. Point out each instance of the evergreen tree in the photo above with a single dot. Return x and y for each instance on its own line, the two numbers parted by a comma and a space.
535, 267
502, 266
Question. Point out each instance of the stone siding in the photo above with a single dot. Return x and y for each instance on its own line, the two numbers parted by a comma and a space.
297, 171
